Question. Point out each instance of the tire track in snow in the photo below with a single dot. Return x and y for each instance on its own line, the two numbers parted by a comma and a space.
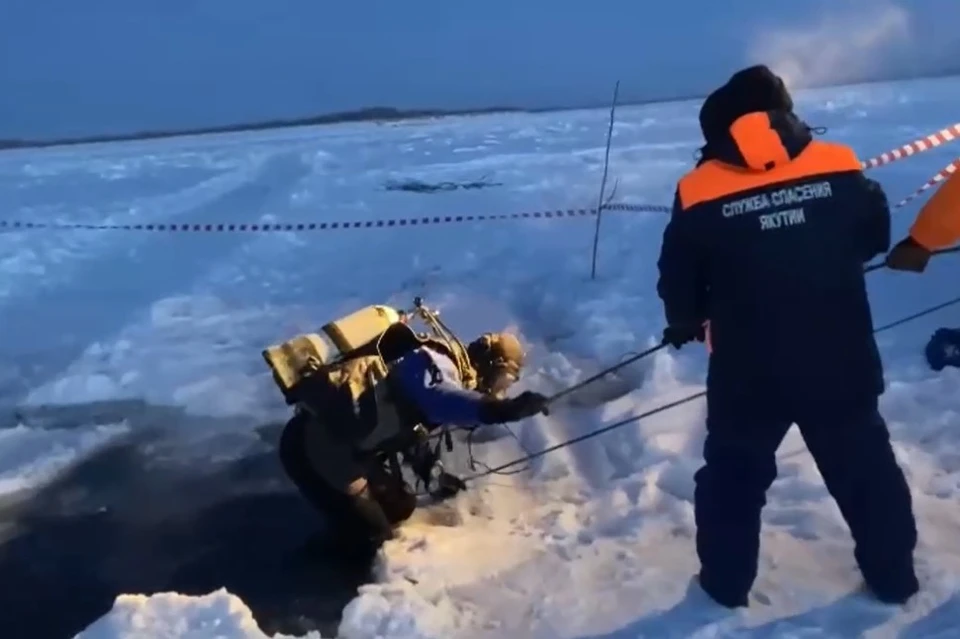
104, 292
41, 259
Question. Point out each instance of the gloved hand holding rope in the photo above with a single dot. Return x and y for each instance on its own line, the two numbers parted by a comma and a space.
676, 337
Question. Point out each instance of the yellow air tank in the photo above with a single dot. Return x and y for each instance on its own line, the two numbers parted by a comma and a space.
292, 360
360, 327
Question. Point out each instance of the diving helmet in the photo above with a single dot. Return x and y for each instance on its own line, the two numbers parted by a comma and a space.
498, 359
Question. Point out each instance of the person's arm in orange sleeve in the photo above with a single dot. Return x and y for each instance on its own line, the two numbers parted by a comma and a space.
937, 226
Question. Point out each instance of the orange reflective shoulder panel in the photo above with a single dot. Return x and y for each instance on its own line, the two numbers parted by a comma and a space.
714, 180
938, 224
759, 144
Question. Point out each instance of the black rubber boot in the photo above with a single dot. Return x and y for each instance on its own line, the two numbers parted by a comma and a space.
448, 485
368, 509
393, 495
724, 596
893, 584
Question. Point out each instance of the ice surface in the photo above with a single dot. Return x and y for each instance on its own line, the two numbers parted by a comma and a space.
595, 540
30, 456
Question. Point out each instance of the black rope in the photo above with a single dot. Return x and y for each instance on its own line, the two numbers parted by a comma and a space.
590, 435
633, 357
910, 318
674, 404
607, 371
528, 456
883, 263
487, 470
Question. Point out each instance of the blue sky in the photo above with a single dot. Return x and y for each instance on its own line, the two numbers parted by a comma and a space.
76, 68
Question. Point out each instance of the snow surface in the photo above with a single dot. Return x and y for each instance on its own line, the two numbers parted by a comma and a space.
174, 616
595, 540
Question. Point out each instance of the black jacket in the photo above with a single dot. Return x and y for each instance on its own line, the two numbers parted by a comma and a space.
767, 240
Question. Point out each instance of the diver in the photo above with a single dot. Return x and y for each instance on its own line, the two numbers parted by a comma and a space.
371, 394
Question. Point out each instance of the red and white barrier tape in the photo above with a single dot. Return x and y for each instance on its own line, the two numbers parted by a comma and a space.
936, 179
932, 141
919, 145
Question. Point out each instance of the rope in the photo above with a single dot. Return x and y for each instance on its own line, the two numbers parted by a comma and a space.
474, 462
607, 371
338, 225
650, 351
636, 418
586, 436
881, 264
910, 318
919, 145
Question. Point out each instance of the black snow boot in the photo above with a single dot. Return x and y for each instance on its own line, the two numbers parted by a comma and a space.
894, 584
371, 513
723, 596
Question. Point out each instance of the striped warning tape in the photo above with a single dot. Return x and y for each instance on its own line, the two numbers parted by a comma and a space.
936, 179
328, 226
932, 141
638, 208
919, 145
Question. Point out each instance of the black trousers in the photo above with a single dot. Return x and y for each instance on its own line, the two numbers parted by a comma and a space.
850, 444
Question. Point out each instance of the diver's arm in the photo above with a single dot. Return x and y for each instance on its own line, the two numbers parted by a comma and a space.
433, 387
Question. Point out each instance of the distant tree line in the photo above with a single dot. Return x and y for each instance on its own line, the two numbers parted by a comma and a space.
384, 114
370, 114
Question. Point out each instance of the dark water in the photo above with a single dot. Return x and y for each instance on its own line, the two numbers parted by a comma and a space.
121, 523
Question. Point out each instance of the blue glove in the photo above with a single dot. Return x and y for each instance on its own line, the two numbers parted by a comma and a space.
943, 349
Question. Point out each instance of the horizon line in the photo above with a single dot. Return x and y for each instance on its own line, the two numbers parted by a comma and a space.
378, 114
